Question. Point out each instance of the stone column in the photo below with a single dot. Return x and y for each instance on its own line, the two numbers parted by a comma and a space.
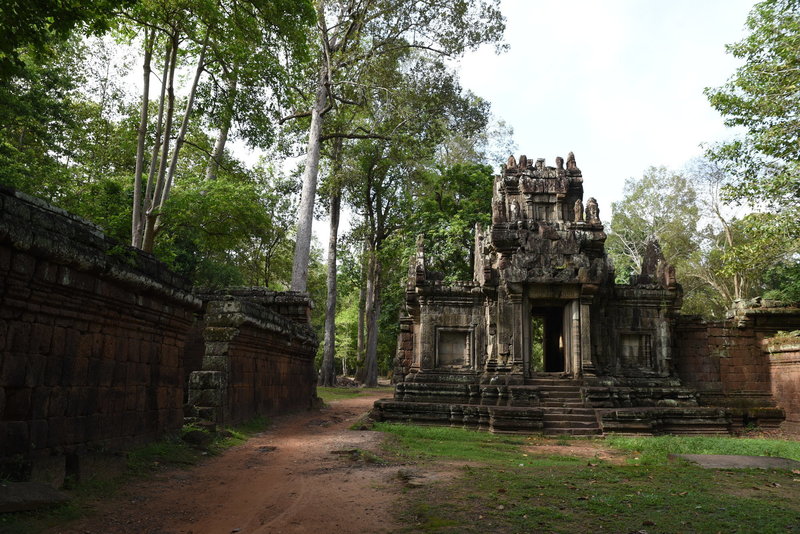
572, 337
426, 340
519, 328
587, 365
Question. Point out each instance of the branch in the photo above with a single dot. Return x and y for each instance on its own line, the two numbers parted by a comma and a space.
294, 116
354, 136
207, 153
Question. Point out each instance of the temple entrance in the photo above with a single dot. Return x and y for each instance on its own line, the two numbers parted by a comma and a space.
547, 340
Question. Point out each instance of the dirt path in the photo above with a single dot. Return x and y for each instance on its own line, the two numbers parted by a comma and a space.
296, 477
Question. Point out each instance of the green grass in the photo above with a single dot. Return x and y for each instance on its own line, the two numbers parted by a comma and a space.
654, 450
504, 486
420, 442
333, 394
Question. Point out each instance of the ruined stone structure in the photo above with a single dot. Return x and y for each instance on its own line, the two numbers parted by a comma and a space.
97, 341
258, 355
744, 363
542, 338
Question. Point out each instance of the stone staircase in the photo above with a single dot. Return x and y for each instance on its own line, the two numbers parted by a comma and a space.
564, 409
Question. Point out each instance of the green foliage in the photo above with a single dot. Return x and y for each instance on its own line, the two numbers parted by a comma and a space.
762, 95
537, 344
662, 204
783, 282
37, 25
450, 203
762, 98
719, 255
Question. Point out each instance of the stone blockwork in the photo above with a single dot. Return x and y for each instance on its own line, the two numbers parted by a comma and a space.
92, 337
98, 340
542, 334
728, 363
543, 337
259, 355
784, 365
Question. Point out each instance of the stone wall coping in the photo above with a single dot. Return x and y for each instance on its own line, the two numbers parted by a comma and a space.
262, 295
32, 225
230, 311
783, 344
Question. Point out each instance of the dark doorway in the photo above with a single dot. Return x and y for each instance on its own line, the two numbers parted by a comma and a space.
547, 339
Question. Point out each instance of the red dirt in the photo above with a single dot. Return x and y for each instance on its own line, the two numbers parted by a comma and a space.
302, 485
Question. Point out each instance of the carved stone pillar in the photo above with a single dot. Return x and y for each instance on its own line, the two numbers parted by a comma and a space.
426, 340
587, 364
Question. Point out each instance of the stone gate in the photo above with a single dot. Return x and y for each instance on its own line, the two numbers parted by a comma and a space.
542, 338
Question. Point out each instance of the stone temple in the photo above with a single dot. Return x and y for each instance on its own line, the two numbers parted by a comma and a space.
542, 339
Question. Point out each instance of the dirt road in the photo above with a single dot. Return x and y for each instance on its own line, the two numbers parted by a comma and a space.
300, 476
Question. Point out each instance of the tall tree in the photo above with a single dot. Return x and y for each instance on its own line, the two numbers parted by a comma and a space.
415, 119
353, 33
763, 165
232, 45
662, 205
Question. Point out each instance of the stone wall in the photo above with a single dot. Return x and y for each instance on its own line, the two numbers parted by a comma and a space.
92, 337
784, 366
256, 361
726, 361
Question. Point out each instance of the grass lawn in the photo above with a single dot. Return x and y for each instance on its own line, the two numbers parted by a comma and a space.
518, 484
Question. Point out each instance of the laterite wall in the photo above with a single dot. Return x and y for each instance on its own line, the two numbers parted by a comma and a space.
92, 337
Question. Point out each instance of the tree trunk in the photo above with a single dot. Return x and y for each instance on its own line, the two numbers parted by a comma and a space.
154, 158
328, 376
147, 201
373, 311
148, 238
305, 215
136, 219
362, 301
173, 164
224, 129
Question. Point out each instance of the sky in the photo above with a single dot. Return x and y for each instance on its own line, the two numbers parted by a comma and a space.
618, 82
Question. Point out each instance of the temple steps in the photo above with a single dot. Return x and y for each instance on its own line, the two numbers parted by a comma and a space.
564, 407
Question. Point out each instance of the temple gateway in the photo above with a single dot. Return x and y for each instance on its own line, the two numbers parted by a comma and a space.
542, 339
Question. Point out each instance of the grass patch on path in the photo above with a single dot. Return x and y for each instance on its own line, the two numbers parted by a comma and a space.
503, 488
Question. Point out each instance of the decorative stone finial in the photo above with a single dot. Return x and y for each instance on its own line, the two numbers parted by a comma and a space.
515, 211
578, 210
511, 163
523, 162
592, 211
571, 165
560, 163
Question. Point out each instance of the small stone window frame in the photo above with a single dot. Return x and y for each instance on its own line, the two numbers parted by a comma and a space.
643, 347
448, 338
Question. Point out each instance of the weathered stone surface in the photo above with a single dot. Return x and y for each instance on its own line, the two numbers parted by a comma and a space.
735, 461
256, 361
23, 496
98, 342
543, 306
91, 336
